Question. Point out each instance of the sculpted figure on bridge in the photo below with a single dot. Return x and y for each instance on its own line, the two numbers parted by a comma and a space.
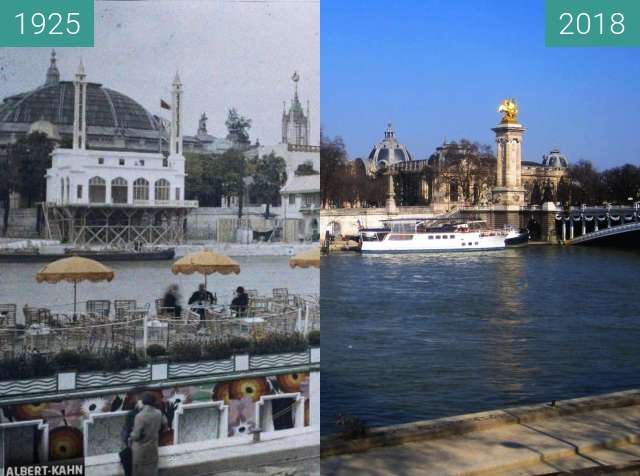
509, 108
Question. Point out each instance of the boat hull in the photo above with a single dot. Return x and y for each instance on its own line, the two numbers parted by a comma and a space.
426, 243
167, 254
517, 240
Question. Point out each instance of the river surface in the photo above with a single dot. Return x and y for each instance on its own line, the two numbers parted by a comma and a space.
147, 281
412, 337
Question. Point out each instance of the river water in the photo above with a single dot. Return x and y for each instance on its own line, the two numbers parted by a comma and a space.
411, 337
147, 281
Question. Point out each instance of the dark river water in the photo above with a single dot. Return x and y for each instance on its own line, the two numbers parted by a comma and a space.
411, 337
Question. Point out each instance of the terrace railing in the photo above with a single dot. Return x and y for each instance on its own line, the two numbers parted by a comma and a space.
134, 329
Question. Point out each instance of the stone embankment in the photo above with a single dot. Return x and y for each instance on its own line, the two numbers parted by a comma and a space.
536, 439
244, 250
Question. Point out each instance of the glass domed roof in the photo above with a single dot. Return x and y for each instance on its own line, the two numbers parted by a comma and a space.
53, 102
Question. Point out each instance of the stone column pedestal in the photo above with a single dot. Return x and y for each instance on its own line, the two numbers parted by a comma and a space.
508, 192
391, 196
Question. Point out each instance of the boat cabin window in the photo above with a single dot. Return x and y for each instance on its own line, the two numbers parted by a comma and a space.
437, 237
452, 236
400, 237
403, 227
431, 237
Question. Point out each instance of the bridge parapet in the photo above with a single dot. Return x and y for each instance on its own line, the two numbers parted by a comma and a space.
596, 223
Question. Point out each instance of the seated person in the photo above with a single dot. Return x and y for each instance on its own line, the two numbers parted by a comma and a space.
240, 303
171, 300
202, 296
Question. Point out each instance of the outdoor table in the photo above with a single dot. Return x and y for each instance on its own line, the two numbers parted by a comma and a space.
217, 311
38, 330
252, 325
156, 329
136, 314
252, 320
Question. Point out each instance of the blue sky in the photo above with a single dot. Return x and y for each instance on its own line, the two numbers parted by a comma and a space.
439, 68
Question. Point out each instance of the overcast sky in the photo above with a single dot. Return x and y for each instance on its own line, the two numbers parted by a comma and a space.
229, 53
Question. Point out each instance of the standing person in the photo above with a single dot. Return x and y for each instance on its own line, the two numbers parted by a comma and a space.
126, 454
240, 303
202, 296
145, 437
172, 300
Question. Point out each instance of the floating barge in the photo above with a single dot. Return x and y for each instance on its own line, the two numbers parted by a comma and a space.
37, 256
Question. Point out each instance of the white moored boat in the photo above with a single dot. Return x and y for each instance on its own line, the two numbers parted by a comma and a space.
436, 234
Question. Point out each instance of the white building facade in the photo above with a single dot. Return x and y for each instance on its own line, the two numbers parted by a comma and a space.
117, 198
81, 176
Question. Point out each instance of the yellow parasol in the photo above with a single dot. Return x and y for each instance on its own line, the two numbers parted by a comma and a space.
306, 259
73, 270
205, 262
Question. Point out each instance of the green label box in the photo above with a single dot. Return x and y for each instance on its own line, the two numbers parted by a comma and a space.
592, 23
46, 23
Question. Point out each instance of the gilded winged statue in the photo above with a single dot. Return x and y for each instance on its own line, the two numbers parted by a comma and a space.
509, 108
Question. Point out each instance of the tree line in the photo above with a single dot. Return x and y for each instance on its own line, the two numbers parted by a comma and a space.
468, 169
345, 182
587, 185
213, 177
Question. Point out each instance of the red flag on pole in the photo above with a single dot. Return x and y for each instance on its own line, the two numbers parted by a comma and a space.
164, 105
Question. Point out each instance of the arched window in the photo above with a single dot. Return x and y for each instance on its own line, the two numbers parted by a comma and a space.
97, 190
163, 188
61, 190
140, 189
68, 190
119, 190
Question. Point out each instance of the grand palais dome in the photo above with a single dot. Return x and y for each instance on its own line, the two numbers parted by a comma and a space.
114, 120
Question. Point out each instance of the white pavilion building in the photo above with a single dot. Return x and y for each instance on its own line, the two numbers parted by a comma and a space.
113, 197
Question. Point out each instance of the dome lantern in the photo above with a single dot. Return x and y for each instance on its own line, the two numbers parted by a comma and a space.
53, 74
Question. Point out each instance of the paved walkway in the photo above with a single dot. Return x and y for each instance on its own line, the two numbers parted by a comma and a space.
540, 447
293, 455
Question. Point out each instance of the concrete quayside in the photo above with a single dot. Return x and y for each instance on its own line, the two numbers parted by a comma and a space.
600, 431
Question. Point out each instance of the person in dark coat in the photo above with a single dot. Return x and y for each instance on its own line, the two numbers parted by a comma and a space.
240, 303
172, 300
202, 296
126, 454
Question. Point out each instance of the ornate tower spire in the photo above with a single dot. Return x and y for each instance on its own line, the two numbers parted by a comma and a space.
80, 109
202, 124
295, 77
295, 124
53, 75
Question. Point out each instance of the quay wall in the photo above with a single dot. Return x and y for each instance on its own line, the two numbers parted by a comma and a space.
244, 250
217, 402
21, 223
458, 425
345, 221
205, 223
